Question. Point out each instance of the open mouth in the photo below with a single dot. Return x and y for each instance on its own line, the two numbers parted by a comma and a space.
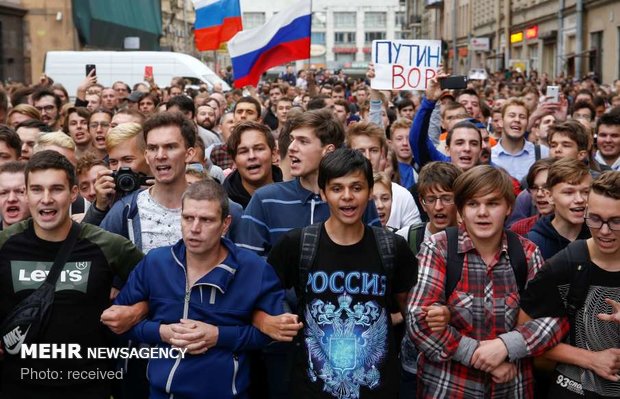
12, 211
163, 168
578, 211
252, 168
47, 214
348, 210
441, 218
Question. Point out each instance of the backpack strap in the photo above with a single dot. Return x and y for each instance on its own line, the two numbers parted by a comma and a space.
309, 245
415, 237
537, 154
454, 261
387, 250
517, 259
576, 255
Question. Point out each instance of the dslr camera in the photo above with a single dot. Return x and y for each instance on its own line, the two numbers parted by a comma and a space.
127, 181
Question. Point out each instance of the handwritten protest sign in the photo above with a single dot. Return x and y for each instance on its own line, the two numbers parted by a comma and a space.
405, 64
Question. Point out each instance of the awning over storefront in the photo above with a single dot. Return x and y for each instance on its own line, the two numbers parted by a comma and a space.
106, 23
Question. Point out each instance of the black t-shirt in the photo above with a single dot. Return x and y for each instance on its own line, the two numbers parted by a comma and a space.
82, 292
347, 350
546, 295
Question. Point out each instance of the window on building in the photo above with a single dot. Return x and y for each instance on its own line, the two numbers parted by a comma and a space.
253, 19
401, 35
595, 61
318, 37
344, 20
344, 38
318, 20
345, 57
399, 20
375, 20
370, 36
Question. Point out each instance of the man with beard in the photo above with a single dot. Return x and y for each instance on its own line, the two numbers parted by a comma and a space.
48, 105
205, 119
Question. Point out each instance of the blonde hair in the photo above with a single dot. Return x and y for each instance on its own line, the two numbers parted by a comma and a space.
58, 139
400, 123
382, 178
123, 132
24, 109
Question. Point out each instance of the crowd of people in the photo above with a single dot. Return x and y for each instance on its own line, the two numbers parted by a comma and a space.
315, 238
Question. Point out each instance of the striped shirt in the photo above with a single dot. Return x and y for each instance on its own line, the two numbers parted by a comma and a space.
280, 207
484, 305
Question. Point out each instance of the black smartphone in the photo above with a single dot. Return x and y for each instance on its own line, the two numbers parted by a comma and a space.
453, 82
91, 67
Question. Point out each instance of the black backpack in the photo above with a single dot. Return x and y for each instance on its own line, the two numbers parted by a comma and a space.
454, 260
575, 255
309, 244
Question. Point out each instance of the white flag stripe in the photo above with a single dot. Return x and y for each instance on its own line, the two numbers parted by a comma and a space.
203, 3
249, 40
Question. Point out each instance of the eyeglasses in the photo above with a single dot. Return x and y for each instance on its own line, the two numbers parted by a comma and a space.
95, 125
46, 108
596, 222
445, 199
535, 189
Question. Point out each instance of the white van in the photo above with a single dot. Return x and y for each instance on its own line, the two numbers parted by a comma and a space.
69, 68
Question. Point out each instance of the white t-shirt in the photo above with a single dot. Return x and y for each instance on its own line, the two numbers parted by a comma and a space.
404, 210
160, 226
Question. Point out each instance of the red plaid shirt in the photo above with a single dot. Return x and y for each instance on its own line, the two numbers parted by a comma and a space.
221, 157
484, 305
523, 226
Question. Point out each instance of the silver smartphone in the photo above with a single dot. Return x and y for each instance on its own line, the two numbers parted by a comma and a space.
553, 94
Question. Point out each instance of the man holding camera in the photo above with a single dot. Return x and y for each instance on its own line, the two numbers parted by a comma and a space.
125, 146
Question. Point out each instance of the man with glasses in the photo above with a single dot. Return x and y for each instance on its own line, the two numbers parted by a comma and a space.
589, 359
48, 105
98, 126
122, 90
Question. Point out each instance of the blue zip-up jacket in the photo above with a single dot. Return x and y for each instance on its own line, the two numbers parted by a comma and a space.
225, 297
124, 219
280, 207
422, 146
547, 238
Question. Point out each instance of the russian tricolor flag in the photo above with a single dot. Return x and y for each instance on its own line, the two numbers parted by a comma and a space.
284, 38
216, 22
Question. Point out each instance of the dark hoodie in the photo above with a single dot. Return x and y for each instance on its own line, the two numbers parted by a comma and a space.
548, 239
238, 193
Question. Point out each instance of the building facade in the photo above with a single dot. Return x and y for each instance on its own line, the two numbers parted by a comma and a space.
342, 32
568, 37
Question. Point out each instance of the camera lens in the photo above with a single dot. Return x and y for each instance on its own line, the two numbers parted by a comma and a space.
126, 183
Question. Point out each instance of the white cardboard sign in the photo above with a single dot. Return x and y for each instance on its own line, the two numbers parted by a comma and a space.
405, 64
